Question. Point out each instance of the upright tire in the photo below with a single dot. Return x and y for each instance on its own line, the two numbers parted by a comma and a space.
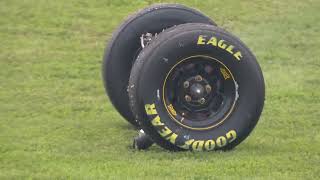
197, 87
124, 47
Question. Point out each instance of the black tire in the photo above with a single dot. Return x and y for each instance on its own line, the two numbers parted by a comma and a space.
125, 46
239, 81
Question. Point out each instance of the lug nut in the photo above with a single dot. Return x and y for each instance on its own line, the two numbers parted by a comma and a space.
186, 84
208, 88
202, 100
198, 78
188, 98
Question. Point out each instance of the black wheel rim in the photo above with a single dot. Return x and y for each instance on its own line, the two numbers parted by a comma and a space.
200, 92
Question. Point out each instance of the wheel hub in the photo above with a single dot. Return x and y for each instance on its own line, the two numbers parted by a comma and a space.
196, 90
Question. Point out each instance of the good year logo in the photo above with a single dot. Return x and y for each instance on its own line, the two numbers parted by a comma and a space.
184, 141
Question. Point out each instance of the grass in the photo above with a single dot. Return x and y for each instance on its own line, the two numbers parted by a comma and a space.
56, 122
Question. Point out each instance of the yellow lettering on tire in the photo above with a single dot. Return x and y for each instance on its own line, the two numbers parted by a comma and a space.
225, 73
230, 48
222, 45
201, 40
238, 55
231, 136
213, 41
209, 145
150, 109
172, 138
172, 110
187, 144
165, 131
157, 122
221, 141
198, 145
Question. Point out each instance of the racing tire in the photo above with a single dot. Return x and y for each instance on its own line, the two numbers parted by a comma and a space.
197, 87
125, 46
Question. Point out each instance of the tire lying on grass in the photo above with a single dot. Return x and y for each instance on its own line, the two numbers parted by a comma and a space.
196, 87
125, 46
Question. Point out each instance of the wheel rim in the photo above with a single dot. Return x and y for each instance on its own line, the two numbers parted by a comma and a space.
200, 92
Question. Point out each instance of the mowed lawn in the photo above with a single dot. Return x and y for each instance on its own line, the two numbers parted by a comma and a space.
57, 123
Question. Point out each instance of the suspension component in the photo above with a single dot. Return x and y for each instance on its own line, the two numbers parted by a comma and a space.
145, 39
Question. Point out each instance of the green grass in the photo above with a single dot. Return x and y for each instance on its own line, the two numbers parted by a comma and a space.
56, 121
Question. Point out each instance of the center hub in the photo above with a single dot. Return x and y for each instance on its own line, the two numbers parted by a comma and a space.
197, 91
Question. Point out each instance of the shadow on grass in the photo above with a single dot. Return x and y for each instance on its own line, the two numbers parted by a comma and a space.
245, 150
